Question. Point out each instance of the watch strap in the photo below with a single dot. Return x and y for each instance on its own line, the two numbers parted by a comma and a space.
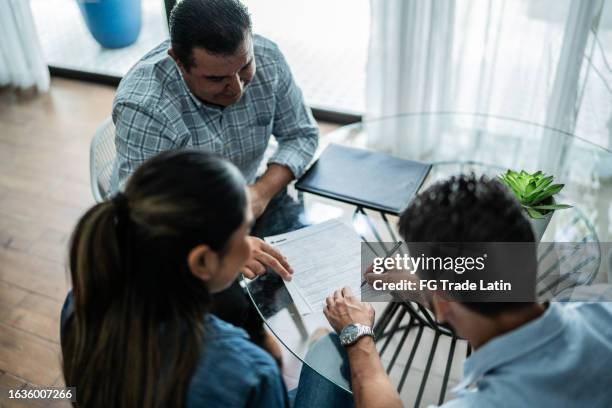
362, 330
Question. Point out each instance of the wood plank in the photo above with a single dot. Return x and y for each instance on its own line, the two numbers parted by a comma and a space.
42, 211
29, 357
24, 179
73, 191
52, 245
10, 297
58, 163
37, 315
18, 232
35, 274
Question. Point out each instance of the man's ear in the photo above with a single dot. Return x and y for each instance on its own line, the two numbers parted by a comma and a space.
176, 60
441, 307
203, 262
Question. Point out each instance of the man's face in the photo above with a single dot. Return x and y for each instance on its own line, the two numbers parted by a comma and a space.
220, 79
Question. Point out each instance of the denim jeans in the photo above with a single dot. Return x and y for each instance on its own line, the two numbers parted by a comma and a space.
329, 356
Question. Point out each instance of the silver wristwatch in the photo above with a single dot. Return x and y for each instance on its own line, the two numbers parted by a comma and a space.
353, 332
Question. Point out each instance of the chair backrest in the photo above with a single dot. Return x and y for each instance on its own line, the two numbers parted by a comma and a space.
101, 159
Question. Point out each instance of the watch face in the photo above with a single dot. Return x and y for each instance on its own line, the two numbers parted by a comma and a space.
349, 334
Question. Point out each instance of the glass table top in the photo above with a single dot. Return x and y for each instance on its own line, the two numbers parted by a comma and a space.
457, 143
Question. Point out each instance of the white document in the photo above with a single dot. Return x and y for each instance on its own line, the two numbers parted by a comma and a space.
324, 257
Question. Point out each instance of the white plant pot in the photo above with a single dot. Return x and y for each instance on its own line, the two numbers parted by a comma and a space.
539, 225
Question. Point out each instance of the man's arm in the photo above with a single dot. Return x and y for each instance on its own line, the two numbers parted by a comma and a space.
296, 132
371, 385
271, 182
139, 135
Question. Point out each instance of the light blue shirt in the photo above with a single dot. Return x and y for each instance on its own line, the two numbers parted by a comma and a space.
155, 111
561, 359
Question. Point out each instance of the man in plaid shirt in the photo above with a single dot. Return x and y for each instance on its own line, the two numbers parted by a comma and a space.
215, 86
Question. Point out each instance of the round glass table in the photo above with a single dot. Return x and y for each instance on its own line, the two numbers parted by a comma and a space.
422, 357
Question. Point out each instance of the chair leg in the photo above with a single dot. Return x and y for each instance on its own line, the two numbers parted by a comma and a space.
385, 317
371, 225
449, 363
415, 345
396, 323
391, 233
401, 344
432, 352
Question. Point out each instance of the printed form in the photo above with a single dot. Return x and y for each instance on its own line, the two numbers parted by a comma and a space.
324, 257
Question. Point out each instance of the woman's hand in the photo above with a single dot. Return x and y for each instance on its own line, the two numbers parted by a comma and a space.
342, 309
265, 255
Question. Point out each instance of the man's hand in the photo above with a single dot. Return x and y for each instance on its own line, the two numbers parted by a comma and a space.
343, 309
370, 383
271, 182
265, 255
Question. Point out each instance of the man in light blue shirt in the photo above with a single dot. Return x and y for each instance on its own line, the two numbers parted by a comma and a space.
561, 358
525, 354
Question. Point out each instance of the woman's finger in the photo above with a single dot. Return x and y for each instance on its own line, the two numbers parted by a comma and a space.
248, 273
273, 263
256, 266
270, 250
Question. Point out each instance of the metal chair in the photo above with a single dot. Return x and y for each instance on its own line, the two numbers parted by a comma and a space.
101, 159
392, 323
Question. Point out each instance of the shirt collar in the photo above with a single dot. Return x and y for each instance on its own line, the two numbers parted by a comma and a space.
510, 346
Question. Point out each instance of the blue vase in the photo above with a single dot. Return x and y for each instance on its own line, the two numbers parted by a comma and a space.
113, 23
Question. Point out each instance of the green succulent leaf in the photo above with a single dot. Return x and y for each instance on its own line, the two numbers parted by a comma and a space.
552, 207
534, 213
548, 192
534, 191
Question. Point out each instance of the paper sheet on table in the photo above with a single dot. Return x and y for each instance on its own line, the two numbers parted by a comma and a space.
324, 257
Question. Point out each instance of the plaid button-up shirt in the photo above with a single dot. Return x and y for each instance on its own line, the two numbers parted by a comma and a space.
154, 111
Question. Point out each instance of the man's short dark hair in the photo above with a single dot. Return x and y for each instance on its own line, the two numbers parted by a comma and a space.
218, 26
467, 208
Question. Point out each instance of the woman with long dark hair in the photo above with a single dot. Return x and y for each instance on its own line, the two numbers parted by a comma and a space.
137, 329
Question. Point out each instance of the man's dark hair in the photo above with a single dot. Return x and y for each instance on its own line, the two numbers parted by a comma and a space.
467, 208
219, 26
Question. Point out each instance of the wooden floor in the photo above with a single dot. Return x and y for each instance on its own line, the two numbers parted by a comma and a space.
44, 188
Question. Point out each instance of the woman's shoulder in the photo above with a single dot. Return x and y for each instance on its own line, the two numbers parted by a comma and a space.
233, 372
231, 342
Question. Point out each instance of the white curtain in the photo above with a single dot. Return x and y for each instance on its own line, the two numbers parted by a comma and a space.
21, 60
521, 59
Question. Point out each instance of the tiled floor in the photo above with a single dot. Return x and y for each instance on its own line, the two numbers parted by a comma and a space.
324, 42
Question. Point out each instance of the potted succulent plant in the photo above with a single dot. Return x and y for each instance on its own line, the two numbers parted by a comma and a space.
535, 192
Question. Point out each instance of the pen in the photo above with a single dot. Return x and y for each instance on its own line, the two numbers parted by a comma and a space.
397, 245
